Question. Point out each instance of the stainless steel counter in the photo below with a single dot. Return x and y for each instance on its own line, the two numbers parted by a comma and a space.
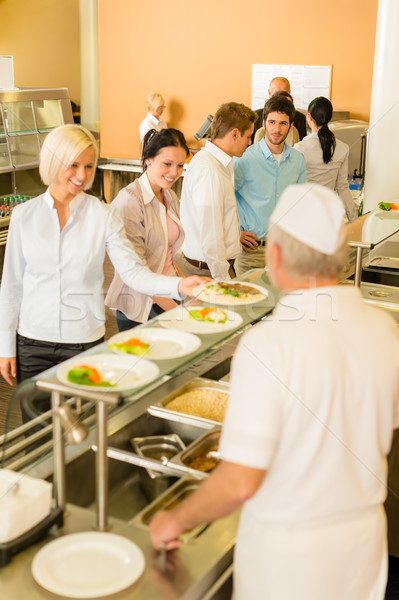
201, 567
189, 574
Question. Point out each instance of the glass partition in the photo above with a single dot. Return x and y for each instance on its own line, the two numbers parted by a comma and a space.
26, 116
2, 132
48, 114
4, 155
19, 117
25, 149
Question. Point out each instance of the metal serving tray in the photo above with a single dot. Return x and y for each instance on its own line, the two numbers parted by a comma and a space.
168, 500
384, 262
161, 448
160, 410
158, 447
208, 442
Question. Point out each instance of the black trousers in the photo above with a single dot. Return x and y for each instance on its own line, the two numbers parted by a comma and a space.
35, 356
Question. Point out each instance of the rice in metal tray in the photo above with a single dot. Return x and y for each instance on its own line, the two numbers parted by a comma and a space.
205, 403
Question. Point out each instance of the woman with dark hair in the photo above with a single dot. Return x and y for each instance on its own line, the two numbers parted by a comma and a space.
149, 209
326, 158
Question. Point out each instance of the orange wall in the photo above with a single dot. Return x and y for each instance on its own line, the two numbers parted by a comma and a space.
199, 55
43, 38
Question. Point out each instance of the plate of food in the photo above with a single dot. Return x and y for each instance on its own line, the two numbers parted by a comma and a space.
107, 372
200, 319
230, 293
154, 343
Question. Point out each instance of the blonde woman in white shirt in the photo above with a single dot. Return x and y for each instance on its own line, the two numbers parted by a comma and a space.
150, 212
153, 120
326, 157
51, 295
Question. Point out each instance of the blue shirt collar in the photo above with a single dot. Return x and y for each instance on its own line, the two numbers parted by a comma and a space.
268, 154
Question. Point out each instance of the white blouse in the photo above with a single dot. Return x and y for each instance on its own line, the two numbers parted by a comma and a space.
52, 285
334, 174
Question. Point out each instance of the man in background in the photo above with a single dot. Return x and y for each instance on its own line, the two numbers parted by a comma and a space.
305, 438
261, 175
281, 84
208, 208
293, 136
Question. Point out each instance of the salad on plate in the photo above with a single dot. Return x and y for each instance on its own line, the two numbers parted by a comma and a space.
86, 375
208, 314
131, 346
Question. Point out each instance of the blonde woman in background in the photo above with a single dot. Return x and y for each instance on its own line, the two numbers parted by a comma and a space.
156, 106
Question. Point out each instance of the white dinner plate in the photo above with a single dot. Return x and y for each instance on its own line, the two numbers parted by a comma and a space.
164, 344
88, 565
179, 318
125, 372
206, 293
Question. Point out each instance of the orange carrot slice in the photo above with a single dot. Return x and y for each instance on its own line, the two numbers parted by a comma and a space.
94, 375
135, 342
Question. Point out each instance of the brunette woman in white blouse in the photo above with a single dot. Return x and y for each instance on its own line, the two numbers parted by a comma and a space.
149, 209
326, 158
51, 295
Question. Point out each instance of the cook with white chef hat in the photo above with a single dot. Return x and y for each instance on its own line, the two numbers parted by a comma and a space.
306, 432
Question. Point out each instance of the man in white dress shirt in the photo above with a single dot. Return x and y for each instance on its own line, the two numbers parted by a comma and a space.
208, 208
308, 426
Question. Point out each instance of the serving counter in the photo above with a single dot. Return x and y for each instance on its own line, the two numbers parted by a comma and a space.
201, 568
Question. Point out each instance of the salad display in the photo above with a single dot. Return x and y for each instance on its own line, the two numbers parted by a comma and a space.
132, 346
212, 315
85, 375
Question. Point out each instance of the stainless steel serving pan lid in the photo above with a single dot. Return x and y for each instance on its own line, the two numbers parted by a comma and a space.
158, 447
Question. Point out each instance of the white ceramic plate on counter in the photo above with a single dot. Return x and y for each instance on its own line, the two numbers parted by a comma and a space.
88, 565
163, 343
123, 372
179, 318
211, 293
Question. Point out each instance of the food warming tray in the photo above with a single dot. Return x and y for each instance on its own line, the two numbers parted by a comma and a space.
168, 500
160, 410
201, 449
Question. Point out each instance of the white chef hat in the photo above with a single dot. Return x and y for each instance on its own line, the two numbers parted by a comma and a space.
311, 213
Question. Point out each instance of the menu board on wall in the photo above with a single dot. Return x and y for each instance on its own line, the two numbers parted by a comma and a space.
307, 82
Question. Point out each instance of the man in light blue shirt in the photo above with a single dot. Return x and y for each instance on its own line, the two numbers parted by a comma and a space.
261, 175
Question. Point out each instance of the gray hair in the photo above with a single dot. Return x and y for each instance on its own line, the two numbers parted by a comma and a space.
301, 260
